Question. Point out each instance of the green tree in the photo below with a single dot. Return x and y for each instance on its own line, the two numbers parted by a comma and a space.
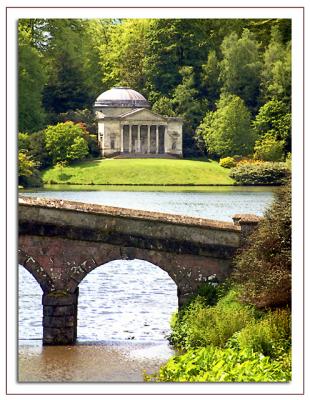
268, 148
23, 141
170, 47
31, 80
188, 106
65, 142
241, 67
164, 106
210, 79
227, 131
274, 119
28, 175
37, 150
276, 73
122, 57
72, 58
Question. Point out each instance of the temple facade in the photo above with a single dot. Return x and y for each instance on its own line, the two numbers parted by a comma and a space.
126, 125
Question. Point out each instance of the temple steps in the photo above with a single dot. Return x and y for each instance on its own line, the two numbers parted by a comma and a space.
140, 155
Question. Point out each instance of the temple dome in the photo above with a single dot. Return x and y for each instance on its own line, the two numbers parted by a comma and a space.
121, 96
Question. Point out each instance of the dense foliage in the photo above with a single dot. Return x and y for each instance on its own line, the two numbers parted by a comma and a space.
28, 174
183, 66
227, 131
228, 342
260, 173
213, 364
227, 162
65, 142
263, 269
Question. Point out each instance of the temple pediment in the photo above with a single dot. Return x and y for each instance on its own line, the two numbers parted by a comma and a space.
142, 114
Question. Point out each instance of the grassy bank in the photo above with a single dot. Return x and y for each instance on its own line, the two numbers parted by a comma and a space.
139, 172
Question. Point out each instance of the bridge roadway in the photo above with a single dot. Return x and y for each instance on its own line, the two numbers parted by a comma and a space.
60, 242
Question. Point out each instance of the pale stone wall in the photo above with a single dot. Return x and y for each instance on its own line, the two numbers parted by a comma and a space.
108, 131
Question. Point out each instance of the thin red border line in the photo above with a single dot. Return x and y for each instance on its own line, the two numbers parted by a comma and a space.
139, 394
168, 7
303, 200
158, 394
6, 201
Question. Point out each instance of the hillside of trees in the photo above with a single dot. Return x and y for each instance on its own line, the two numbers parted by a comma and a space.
230, 79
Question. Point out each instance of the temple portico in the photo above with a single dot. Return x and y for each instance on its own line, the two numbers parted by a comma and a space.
144, 138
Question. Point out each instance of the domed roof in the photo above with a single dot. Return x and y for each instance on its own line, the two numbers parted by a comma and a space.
121, 96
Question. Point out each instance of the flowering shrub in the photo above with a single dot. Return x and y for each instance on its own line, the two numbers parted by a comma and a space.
260, 173
227, 162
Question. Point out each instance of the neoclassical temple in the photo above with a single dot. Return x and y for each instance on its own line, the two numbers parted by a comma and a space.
126, 125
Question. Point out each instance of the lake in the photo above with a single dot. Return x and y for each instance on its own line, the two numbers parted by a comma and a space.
125, 307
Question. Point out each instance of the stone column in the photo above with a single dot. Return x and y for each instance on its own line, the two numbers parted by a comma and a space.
139, 138
157, 141
165, 130
149, 139
60, 317
122, 138
248, 223
130, 139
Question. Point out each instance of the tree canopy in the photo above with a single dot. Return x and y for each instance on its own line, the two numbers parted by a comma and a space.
183, 66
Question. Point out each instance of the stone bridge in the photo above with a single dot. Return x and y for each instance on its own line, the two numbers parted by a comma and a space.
60, 242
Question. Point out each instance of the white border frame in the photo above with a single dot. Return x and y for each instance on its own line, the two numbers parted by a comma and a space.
296, 386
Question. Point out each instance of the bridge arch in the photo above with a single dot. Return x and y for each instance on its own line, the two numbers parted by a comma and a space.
121, 296
36, 270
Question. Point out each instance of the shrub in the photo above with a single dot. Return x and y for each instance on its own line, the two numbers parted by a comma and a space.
266, 173
270, 336
263, 267
227, 162
201, 325
65, 142
212, 364
28, 175
268, 148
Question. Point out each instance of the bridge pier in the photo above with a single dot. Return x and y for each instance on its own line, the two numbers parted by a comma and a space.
60, 317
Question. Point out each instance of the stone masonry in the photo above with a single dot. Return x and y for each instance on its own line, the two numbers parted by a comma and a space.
60, 242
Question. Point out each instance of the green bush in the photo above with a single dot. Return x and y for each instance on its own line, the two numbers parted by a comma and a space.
200, 325
65, 142
227, 162
263, 268
28, 175
212, 364
270, 336
264, 173
268, 148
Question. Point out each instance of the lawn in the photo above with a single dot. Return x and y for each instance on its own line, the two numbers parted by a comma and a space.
140, 172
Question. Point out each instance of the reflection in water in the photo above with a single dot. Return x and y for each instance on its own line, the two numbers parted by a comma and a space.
96, 362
